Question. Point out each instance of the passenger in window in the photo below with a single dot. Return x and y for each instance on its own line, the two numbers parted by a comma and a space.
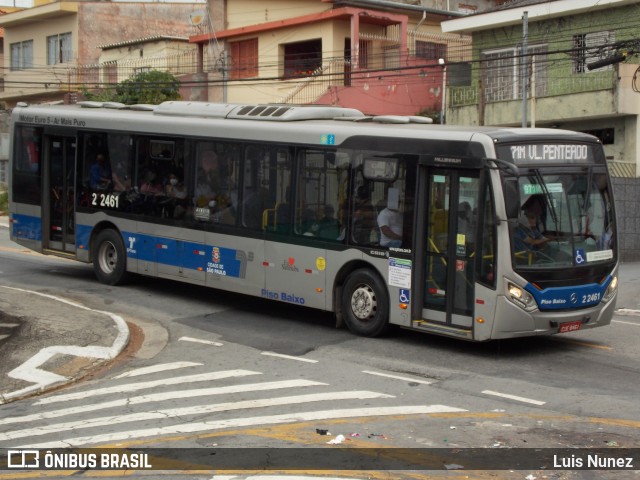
309, 226
120, 177
328, 225
100, 177
390, 223
150, 184
177, 194
30, 150
364, 216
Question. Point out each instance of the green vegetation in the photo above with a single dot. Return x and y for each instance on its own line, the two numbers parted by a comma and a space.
4, 202
152, 87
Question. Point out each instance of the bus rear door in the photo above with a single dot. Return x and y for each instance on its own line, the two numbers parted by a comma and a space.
59, 199
448, 238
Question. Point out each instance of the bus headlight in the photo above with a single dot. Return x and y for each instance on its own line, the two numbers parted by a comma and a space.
520, 296
611, 289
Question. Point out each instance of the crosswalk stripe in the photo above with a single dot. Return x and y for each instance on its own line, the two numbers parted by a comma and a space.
161, 396
132, 387
156, 368
184, 411
195, 427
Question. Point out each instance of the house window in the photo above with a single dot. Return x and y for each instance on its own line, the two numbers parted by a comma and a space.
59, 48
591, 47
301, 59
502, 75
244, 58
430, 50
22, 55
364, 47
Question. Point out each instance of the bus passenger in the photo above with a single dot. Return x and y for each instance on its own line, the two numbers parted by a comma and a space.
150, 185
177, 193
120, 177
364, 216
390, 223
100, 173
328, 226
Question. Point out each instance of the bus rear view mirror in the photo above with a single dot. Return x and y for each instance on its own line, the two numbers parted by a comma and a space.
512, 198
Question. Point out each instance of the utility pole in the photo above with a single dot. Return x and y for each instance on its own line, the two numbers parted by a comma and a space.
524, 67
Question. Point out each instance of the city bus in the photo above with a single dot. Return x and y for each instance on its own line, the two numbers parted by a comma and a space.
382, 220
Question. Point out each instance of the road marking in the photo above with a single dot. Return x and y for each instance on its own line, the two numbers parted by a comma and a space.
162, 396
9, 325
288, 357
397, 377
30, 370
156, 368
626, 323
627, 311
514, 397
184, 411
246, 422
132, 387
197, 340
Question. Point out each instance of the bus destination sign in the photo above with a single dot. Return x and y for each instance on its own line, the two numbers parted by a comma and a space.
547, 152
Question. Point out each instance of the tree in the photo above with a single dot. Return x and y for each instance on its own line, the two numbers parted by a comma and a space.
152, 87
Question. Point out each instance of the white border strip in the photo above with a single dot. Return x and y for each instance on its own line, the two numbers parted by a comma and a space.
412, 380
197, 340
288, 357
513, 397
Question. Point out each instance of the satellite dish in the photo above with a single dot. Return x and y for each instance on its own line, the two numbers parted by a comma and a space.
197, 18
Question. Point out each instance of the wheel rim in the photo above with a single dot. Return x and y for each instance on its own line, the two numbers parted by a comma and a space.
364, 303
108, 257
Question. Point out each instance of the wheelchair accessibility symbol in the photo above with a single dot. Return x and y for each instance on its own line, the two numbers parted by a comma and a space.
579, 256
405, 296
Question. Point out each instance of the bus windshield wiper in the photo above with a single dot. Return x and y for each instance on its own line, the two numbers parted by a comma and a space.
552, 209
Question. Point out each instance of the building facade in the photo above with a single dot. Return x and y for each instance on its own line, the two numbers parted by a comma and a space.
581, 62
381, 57
52, 49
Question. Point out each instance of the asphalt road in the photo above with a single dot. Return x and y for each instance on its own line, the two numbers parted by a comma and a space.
209, 369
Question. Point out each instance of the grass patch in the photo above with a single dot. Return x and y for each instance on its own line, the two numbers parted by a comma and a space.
4, 202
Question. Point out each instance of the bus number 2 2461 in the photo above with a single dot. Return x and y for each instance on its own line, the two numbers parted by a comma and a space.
105, 200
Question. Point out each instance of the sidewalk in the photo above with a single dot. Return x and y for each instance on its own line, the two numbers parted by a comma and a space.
47, 341
54, 341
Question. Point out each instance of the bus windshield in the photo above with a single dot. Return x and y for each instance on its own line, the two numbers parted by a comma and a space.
565, 220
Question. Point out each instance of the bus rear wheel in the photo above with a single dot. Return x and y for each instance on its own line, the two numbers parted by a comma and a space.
365, 304
109, 258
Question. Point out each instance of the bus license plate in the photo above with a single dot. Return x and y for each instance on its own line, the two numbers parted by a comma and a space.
570, 327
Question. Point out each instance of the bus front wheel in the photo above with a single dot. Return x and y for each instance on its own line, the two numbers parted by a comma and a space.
365, 304
109, 258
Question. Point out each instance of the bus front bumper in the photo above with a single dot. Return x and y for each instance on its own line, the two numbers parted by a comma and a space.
512, 321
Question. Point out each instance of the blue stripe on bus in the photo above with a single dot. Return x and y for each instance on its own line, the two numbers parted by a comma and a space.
576, 296
26, 227
188, 255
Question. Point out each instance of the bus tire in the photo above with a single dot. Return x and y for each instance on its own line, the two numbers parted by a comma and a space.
365, 304
109, 258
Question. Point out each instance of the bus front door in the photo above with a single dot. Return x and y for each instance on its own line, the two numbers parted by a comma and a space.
59, 208
449, 238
